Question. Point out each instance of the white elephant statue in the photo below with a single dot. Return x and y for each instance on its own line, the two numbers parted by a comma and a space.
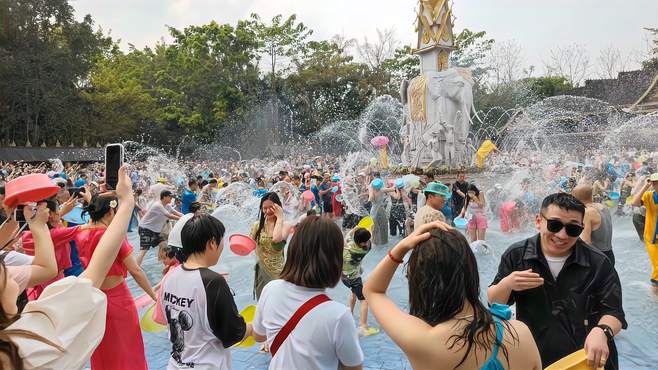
436, 101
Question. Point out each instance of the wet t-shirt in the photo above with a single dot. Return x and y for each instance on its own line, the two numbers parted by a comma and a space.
353, 254
202, 318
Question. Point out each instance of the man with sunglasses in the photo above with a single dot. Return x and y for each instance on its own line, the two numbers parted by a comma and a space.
566, 291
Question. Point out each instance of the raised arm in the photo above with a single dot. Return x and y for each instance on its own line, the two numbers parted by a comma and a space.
281, 228
44, 265
108, 247
399, 325
637, 197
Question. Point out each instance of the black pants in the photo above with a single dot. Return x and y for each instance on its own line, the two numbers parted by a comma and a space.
638, 222
611, 256
396, 220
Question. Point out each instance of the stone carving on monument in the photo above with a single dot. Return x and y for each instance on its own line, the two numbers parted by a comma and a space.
438, 102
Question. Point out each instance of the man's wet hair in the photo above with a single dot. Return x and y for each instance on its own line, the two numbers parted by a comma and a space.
361, 235
198, 231
563, 201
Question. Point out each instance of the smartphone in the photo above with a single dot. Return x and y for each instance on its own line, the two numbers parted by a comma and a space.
113, 161
75, 192
19, 216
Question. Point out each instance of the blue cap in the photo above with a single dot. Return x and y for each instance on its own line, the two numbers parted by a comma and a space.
377, 184
335, 178
80, 183
399, 183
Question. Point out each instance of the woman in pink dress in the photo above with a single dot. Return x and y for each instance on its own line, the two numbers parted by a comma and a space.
122, 346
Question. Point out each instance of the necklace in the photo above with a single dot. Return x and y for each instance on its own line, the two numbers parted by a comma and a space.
462, 317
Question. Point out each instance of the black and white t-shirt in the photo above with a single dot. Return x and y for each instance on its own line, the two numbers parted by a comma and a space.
202, 317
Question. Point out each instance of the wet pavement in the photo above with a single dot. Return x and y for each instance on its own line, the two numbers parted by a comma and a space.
636, 345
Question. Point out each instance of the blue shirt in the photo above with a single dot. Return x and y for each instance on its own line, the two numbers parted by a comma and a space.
189, 197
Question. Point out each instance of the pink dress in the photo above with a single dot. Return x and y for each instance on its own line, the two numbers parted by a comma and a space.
122, 346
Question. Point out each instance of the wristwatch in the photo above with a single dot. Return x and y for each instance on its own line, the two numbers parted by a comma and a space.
607, 331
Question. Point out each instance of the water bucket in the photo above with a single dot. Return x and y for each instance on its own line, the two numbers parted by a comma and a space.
29, 188
460, 222
334, 189
574, 361
248, 315
339, 197
366, 222
148, 324
613, 199
241, 244
143, 301
308, 195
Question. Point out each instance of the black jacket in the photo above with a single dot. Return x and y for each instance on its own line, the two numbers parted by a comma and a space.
561, 312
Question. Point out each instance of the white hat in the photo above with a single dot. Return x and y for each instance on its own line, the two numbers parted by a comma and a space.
174, 235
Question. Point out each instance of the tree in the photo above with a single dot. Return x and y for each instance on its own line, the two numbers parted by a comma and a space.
611, 62
505, 61
120, 94
280, 40
544, 87
652, 62
404, 65
45, 56
327, 86
375, 53
206, 77
570, 61
471, 52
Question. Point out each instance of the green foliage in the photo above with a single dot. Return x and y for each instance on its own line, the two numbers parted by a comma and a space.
544, 87
45, 56
327, 86
652, 62
471, 52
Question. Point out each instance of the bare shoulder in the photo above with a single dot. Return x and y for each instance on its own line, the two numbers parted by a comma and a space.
521, 337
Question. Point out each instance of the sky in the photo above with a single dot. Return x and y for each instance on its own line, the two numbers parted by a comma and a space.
538, 26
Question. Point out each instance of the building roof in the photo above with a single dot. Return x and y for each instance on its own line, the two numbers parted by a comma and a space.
648, 102
40, 154
623, 91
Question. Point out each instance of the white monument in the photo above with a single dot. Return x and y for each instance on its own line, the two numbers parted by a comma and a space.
439, 101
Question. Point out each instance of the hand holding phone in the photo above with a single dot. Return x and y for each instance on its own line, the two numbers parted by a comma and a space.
114, 157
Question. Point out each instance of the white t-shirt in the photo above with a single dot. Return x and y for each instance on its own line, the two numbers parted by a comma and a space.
156, 217
202, 318
14, 258
322, 338
555, 264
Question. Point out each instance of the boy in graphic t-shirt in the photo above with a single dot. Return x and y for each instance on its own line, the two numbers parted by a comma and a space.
197, 302
357, 245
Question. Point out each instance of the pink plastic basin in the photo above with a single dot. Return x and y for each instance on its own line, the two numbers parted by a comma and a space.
29, 188
241, 244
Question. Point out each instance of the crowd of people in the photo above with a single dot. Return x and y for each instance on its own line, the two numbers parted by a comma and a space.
65, 301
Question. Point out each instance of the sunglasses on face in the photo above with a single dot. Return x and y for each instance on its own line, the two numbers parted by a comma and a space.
555, 226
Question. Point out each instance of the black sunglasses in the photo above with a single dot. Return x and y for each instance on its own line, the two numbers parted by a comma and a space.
555, 226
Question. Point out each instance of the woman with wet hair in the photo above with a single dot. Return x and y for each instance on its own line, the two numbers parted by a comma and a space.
447, 323
324, 337
62, 328
122, 346
270, 233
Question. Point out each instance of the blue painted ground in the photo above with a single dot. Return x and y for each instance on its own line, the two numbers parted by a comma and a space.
636, 345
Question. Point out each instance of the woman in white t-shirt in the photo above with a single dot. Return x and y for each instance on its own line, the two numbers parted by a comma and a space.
325, 337
62, 328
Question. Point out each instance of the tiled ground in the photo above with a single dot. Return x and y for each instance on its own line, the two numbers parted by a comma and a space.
636, 345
